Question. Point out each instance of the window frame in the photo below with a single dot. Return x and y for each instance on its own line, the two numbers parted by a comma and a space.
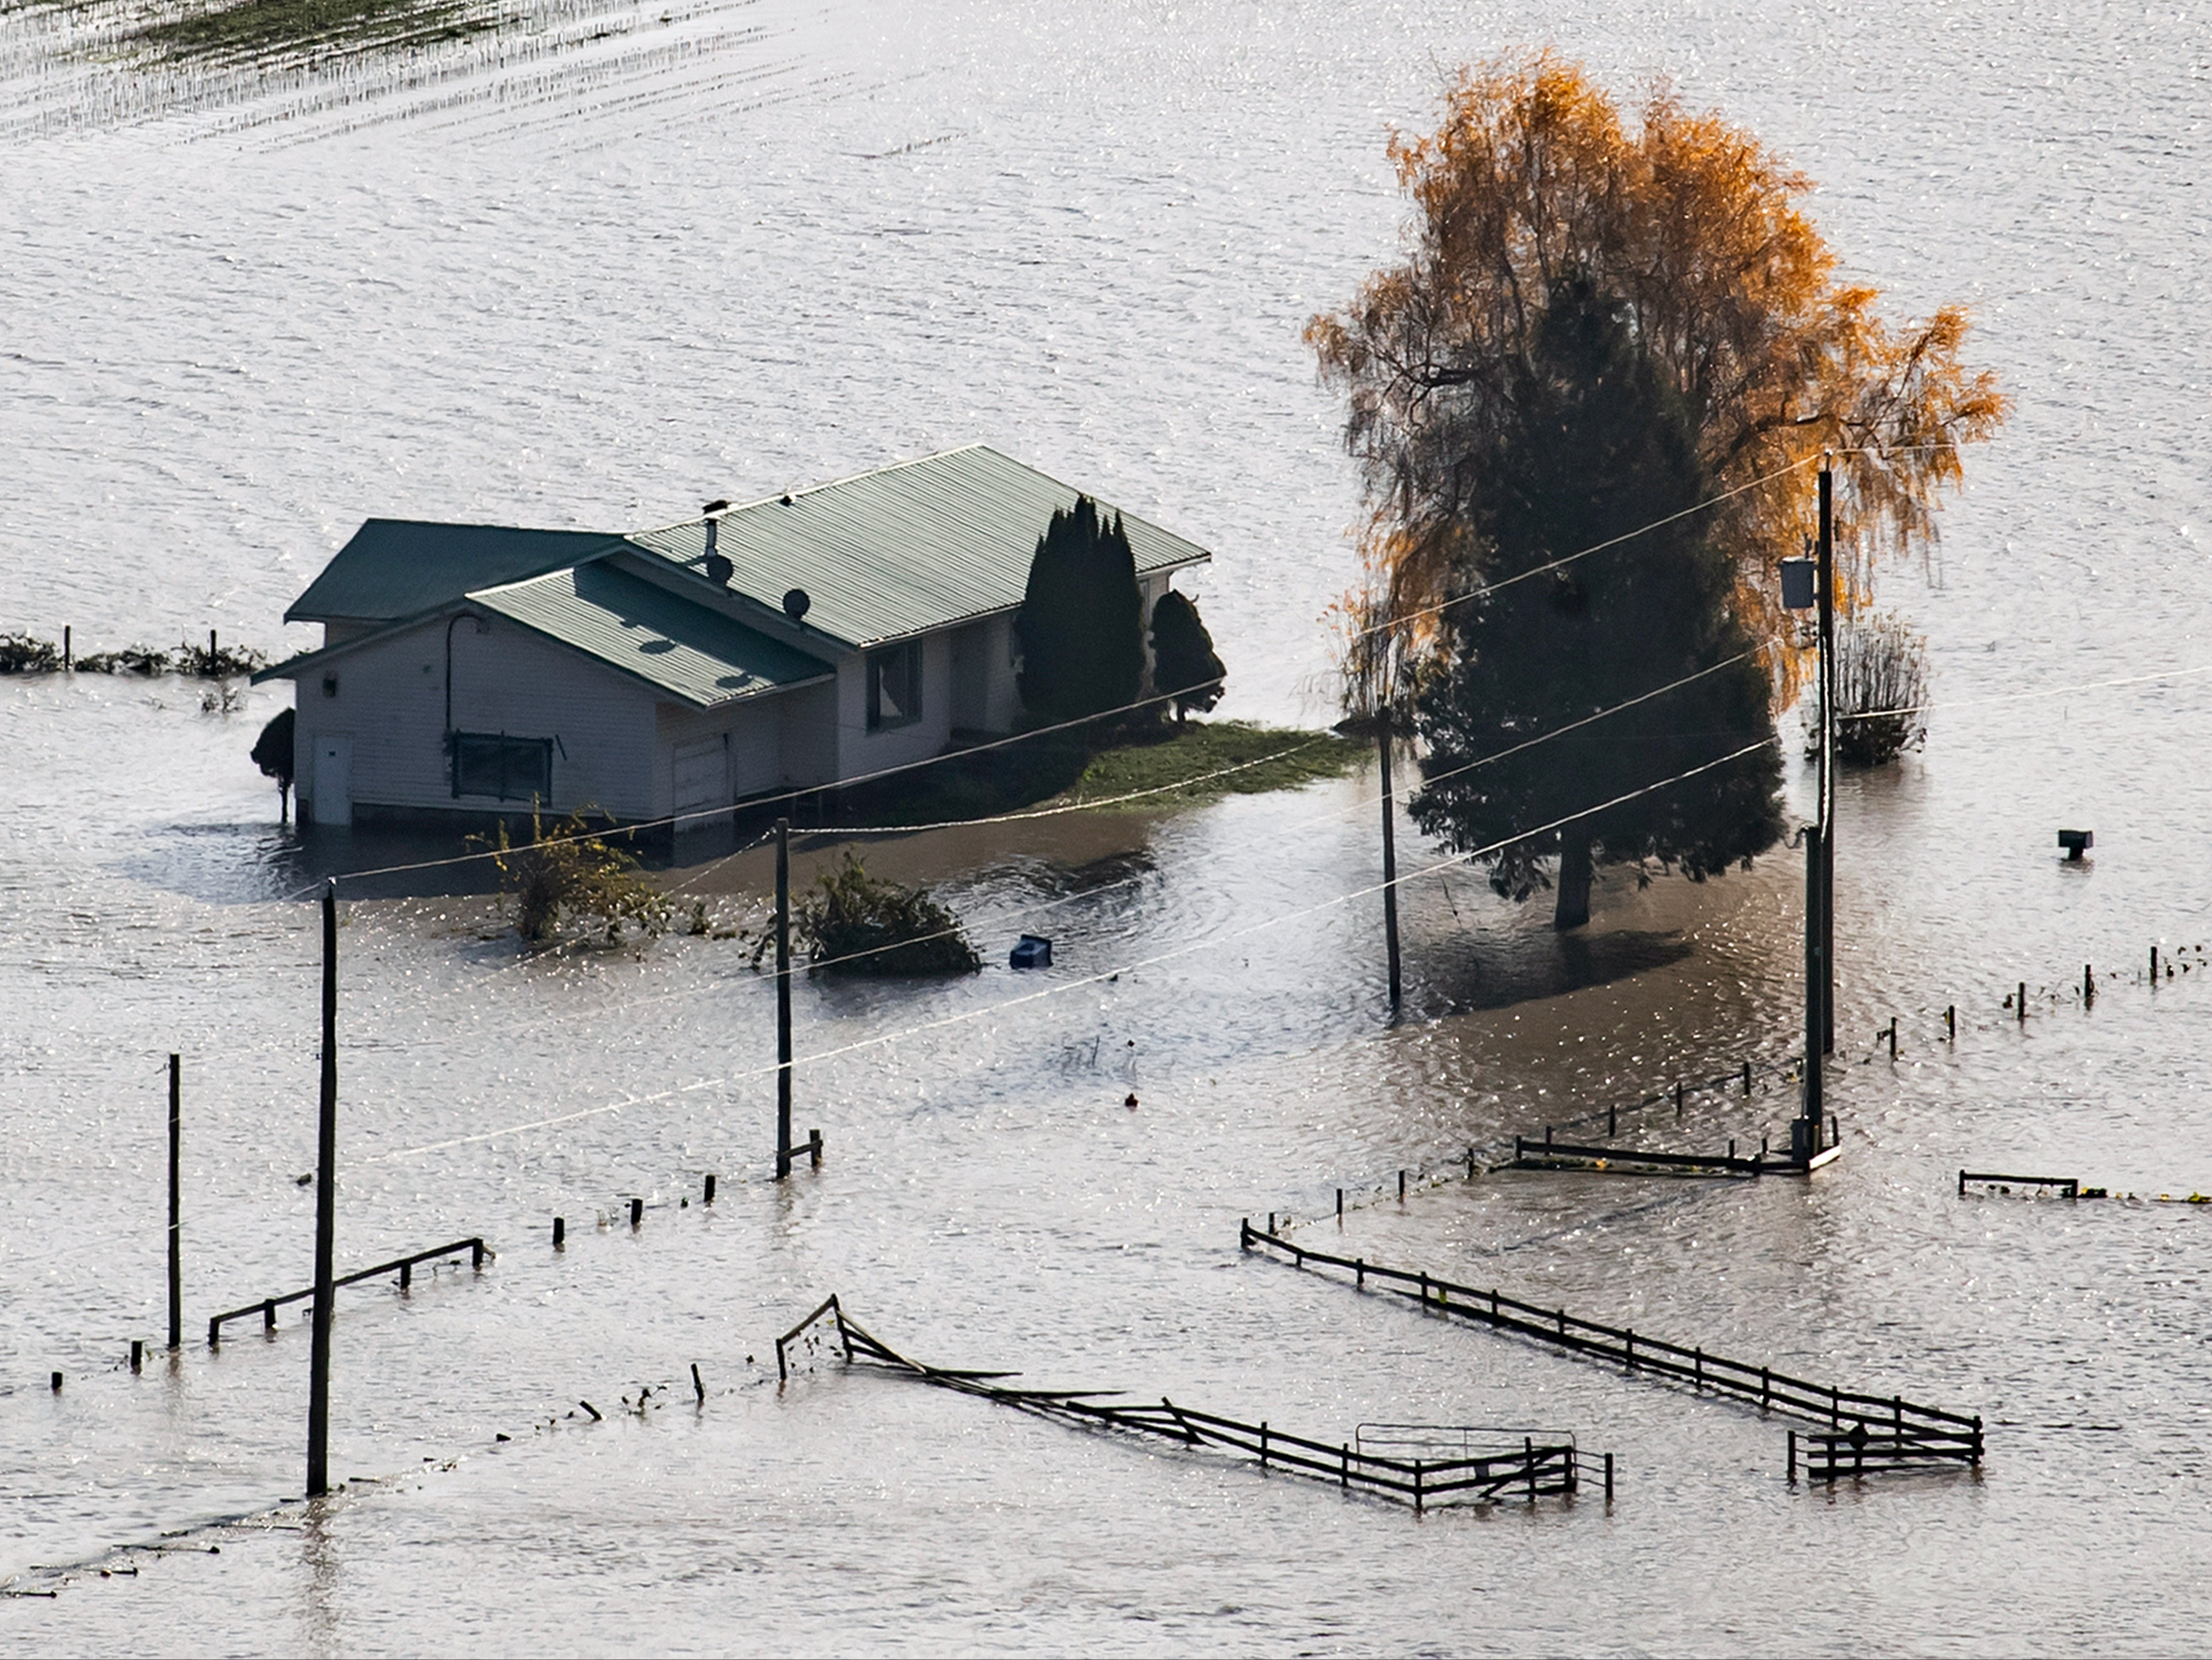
903, 659
525, 764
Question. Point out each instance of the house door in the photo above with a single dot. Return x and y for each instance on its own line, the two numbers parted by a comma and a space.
334, 779
702, 776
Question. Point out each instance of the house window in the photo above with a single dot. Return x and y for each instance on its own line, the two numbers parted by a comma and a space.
895, 686
503, 768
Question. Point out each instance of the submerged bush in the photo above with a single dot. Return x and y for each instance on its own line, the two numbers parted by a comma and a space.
20, 654
902, 930
131, 660
1882, 686
568, 879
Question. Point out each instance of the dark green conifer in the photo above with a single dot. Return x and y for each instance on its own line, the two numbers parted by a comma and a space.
1082, 619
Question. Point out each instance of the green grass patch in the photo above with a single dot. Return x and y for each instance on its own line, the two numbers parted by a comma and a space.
1166, 767
1204, 761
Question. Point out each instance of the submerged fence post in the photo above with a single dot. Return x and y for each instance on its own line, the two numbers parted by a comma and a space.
176, 1203
327, 1211
2019, 1003
1608, 1478
782, 999
1951, 1023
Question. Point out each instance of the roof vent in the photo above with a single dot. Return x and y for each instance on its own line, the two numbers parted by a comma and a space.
718, 569
796, 604
786, 501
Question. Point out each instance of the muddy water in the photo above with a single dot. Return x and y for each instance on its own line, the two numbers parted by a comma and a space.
228, 341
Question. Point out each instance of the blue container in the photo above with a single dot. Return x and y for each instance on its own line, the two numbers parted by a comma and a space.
1034, 951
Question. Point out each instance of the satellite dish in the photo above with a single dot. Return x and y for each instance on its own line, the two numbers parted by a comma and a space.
719, 569
795, 604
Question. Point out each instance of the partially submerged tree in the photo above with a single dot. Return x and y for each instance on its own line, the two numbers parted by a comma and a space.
272, 753
1601, 442
855, 923
1082, 620
1533, 177
1184, 661
1881, 689
571, 882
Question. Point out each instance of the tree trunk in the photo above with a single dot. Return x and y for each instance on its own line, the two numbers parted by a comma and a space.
1573, 907
284, 804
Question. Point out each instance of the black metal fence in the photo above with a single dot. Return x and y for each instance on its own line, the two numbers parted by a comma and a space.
1933, 1433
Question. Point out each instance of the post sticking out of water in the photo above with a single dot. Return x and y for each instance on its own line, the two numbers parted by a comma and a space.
1892, 1037
2088, 985
326, 1213
67, 654
2154, 965
1746, 1078
710, 1196
560, 1232
636, 1213
1340, 1207
1828, 578
1809, 1112
2019, 1003
1389, 861
176, 1200
1951, 1022
782, 999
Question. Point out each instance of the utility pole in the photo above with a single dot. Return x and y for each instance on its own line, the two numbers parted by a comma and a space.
1389, 858
1827, 595
1805, 1134
782, 999
326, 1213
176, 1200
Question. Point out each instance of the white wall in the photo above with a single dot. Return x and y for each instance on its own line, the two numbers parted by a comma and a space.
859, 749
390, 701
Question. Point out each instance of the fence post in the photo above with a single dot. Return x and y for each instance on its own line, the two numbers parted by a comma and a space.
176, 1201
1263, 1443
1608, 1478
1793, 1455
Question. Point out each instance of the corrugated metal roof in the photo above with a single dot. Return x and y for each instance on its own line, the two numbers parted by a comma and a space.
905, 549
681, 648
396, 567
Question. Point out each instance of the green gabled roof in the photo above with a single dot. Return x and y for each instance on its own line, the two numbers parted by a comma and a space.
631, 624
396, 567
905, 549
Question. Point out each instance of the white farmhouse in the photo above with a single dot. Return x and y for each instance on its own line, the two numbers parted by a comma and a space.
794, 643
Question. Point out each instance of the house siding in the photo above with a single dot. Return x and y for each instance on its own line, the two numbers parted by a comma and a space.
391, 702
859, 751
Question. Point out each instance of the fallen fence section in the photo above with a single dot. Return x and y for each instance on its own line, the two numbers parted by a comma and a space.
1893, 1432
404, 1266
1552, 1468
2068, 1187
1564, 1155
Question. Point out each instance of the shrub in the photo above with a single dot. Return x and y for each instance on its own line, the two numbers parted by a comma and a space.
272, 753
1184, 661
901, 930
1881, 683
20, 653
572, 877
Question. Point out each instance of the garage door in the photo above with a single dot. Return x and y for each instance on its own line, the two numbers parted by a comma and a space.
702, 775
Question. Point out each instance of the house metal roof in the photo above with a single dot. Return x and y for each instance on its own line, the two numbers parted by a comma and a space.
630, 624
904, 550
395, 568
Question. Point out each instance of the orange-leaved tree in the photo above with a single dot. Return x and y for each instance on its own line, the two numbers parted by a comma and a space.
1534, 180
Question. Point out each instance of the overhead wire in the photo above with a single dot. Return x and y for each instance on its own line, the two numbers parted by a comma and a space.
1062, 987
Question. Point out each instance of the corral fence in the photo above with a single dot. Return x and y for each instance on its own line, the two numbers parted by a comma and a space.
1417, 1464
1891, 1431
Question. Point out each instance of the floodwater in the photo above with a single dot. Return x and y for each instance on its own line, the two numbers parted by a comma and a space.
579, 282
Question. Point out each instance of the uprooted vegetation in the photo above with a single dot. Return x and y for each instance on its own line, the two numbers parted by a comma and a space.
852, 922
572, 885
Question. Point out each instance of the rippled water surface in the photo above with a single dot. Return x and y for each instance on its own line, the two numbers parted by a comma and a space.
718, 252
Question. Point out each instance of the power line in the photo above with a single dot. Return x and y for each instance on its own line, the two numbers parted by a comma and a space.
1060, 988
2020, 696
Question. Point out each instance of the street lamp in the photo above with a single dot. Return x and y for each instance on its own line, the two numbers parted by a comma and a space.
1809, 584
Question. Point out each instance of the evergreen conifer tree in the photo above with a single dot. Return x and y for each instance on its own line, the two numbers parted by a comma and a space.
1184, 659
1599, 445
1082, 619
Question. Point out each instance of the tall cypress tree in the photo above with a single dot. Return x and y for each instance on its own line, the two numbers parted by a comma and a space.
1082, 619
1184, 661
1601, 444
